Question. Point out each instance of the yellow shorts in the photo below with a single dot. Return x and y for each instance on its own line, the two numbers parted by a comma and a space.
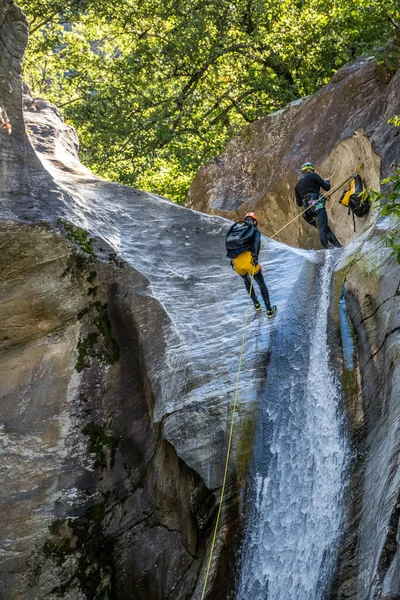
243, 264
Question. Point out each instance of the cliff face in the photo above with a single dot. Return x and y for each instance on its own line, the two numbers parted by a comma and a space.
369, 565
119, 354
341, 126
120, 324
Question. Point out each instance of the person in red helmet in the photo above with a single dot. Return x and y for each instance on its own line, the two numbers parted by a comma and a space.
243, 242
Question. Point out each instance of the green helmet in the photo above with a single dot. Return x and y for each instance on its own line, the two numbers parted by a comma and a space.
308, 166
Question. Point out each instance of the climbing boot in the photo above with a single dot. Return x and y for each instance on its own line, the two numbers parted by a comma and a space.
257, 306
272, 312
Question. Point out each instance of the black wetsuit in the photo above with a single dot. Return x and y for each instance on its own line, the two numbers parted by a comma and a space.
308, 187
259, 277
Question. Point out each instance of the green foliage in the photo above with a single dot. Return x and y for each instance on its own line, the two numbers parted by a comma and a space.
155, 88
79, 235
85, 350
395, 120
389, 203
391, 207
389, 55
102, 446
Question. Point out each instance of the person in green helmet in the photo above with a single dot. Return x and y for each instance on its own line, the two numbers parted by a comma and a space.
308, 195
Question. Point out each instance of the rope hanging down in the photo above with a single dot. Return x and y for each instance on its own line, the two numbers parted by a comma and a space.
332, 191
229, 441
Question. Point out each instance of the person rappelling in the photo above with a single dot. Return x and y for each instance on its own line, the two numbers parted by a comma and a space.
243, 242
309, 196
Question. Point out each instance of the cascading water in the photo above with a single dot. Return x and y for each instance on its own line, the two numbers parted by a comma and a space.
300, 454
300, 458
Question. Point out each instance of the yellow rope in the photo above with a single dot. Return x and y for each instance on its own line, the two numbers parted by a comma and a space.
229, 441
333, 190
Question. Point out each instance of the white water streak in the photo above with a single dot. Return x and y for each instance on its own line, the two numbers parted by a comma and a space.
291, 544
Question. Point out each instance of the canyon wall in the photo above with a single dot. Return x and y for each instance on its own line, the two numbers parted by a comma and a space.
340, 127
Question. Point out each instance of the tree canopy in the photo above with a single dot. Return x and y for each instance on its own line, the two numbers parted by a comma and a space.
156, 87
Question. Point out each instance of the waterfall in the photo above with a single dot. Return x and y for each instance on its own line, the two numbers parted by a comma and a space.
290, 548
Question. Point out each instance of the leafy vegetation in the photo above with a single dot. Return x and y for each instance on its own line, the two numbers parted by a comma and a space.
79, 235
101, 445
156, 87
85, 350
389, 55
389, 202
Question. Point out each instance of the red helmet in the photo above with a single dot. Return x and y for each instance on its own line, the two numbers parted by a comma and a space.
252, 215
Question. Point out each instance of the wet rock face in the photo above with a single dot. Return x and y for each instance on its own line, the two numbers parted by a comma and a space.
120, 322
119, 333
341, 126
369, 566
92, 495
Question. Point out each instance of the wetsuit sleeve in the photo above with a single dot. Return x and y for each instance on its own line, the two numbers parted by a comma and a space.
322, 183
256, 243
298, 197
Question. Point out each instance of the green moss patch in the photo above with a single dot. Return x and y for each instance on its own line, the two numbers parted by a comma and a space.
101, 445
80, 261
81, 539
245, 446
91, 277
97, 512
111, 347
79, 235
350, 384
85, 350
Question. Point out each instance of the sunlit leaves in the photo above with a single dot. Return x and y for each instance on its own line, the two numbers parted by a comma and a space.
156, 87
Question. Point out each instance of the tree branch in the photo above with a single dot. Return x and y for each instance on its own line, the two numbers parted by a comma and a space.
393, 22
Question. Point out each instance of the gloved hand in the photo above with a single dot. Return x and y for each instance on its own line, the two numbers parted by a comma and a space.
254, 260
328, 181
232, 265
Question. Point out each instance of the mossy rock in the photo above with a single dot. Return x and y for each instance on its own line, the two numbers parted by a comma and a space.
101, 445
79, 235
86, 350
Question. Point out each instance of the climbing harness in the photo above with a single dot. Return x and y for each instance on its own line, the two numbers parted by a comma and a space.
314, 202
235, 397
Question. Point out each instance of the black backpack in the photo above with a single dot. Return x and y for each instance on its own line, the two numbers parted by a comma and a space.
356, 203
239, 238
